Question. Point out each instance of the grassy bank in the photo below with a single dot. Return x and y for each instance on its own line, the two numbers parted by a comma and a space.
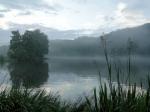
106, 99
24, 100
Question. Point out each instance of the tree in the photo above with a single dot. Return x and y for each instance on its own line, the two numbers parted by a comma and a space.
29, 47
2, 59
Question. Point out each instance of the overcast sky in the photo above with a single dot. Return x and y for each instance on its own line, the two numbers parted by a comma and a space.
86, 15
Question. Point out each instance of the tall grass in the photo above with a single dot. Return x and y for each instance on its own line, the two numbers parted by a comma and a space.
105, 99
24, 100
119, 97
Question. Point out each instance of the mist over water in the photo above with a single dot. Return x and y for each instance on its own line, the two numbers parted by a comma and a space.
72, 77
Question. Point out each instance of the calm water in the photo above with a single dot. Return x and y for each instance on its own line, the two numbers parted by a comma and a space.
71, 77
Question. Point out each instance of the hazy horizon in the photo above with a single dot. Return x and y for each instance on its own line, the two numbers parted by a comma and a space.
69, 19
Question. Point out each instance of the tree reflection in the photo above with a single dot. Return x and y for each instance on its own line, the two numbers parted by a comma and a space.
28, 74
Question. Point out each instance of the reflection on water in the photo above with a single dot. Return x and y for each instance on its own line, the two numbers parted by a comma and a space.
72, 76
28, 74
85, 68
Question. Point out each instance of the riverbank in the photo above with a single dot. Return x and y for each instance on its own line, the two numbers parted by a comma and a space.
109, 98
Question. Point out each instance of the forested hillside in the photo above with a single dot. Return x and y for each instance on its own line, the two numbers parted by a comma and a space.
117, 43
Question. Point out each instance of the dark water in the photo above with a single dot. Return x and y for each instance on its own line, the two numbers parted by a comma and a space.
72, 77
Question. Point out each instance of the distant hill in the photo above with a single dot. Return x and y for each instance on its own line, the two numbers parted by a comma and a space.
117, 42
139, 35
84, 46
91, 46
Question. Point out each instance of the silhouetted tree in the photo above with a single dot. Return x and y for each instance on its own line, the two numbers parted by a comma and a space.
31, 46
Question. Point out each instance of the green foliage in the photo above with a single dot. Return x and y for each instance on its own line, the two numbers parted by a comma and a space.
116, 99
29, 47
24, 100
2, 59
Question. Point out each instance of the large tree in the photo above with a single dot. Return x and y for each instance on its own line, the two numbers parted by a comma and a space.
29, 47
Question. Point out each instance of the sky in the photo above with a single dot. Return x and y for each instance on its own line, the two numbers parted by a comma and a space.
83, 16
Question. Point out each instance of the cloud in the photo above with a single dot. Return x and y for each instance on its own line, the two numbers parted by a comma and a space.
140, 6
24, 13
125, 16
3, 9
121, 7
89, 15
80, 1
1, 15
121, 17
27, 4
30, 12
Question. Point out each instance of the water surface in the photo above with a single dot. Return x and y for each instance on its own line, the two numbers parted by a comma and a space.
71, 77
